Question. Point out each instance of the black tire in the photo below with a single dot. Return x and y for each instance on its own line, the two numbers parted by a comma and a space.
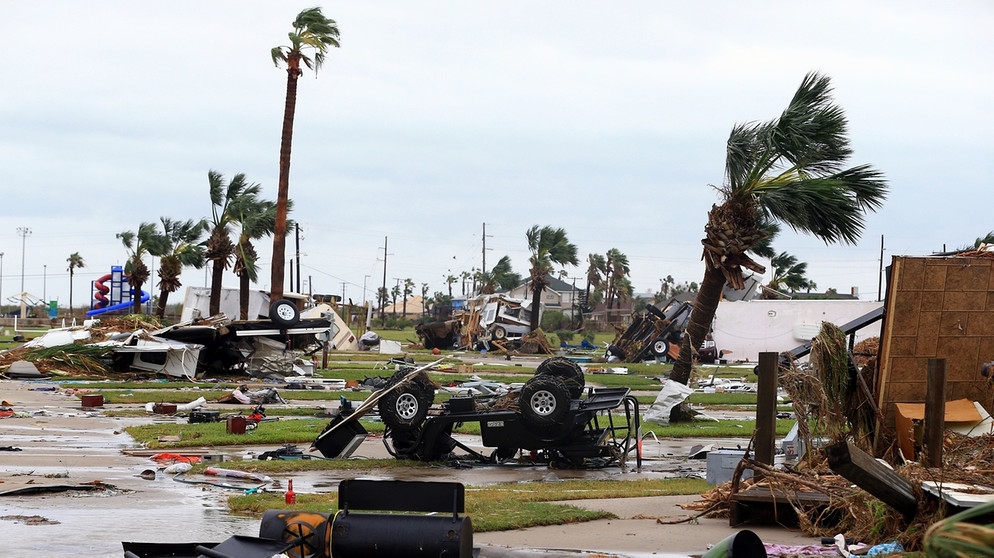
615, 352
407, 406
660, 348
284, 313
544, 402
565, 369
655, 312
499, 333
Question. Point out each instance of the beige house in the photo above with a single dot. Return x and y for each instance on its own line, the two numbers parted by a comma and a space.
558, 295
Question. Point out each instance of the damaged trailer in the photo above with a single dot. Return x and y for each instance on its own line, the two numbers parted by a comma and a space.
553, 419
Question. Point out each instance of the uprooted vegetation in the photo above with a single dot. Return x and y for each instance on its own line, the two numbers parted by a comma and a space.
831, 406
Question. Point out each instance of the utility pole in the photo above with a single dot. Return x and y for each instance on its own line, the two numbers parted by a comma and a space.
297, 232
880, 274
364, 277
24, 232
343, 291
485, 247
383, 314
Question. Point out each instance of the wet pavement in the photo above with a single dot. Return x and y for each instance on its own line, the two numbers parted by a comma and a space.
64, 444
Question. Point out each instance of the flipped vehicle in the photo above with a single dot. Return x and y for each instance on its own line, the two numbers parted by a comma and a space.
552, 419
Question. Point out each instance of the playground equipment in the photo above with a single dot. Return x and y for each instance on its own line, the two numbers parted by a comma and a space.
115, 296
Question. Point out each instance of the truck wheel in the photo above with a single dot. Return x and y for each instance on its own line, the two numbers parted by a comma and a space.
544, 401
284, 313
660, 348
499, 333
407, 406
565, 369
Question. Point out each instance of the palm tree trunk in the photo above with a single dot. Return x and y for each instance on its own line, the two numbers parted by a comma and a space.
536, 304
136, 296
699, 324
216, 275
243, 294
279, 230
71, 313
160, 308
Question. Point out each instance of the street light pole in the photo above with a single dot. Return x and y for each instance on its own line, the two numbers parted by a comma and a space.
1, 283
24, 232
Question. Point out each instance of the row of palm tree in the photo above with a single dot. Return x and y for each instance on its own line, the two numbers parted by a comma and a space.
237, 211
608, 279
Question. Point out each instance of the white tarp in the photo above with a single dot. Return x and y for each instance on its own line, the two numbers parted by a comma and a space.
671, 395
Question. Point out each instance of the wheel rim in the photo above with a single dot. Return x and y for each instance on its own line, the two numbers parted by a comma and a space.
407, 406
659, 347
499, 333
543, 403
284, 311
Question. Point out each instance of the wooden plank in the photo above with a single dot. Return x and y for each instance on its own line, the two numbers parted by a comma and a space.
935, 411
864, 471
766, 407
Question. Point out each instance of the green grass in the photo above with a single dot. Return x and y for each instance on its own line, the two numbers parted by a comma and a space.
214, 434
505, 506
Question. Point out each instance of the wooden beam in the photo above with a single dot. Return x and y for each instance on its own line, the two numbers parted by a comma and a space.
766, 406
864, 471
935, 411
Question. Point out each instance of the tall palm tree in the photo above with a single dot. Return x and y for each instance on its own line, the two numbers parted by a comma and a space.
548, 246
145, 241
75, 262
789, 170
311, 30
225, 200
181, 247
256, 219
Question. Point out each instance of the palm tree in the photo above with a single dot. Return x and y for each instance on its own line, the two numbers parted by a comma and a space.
146, 241
256, 219
596, 274
311, 30
789, 274
75, 262
501, 276
181, 247
617, 270
449, 280
225, 200
789, 170
548, 247
408, 290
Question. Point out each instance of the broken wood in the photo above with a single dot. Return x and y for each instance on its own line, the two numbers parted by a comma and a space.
766, 407
864, 471
935, 411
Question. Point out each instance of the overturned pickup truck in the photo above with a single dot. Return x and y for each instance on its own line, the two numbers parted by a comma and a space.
552, 419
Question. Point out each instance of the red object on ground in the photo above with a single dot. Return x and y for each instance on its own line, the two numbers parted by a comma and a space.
291, 496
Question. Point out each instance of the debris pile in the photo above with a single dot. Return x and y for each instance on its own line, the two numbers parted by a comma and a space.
835, 409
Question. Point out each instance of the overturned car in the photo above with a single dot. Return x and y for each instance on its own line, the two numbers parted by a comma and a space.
553, 418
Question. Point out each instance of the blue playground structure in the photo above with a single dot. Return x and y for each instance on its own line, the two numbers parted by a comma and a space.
110, 293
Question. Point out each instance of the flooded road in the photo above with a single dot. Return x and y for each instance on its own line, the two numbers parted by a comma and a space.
61, 444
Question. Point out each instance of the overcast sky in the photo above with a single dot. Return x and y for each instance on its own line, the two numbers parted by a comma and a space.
608, 119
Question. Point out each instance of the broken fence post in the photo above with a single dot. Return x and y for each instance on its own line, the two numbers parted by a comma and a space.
935, 411
766, 406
